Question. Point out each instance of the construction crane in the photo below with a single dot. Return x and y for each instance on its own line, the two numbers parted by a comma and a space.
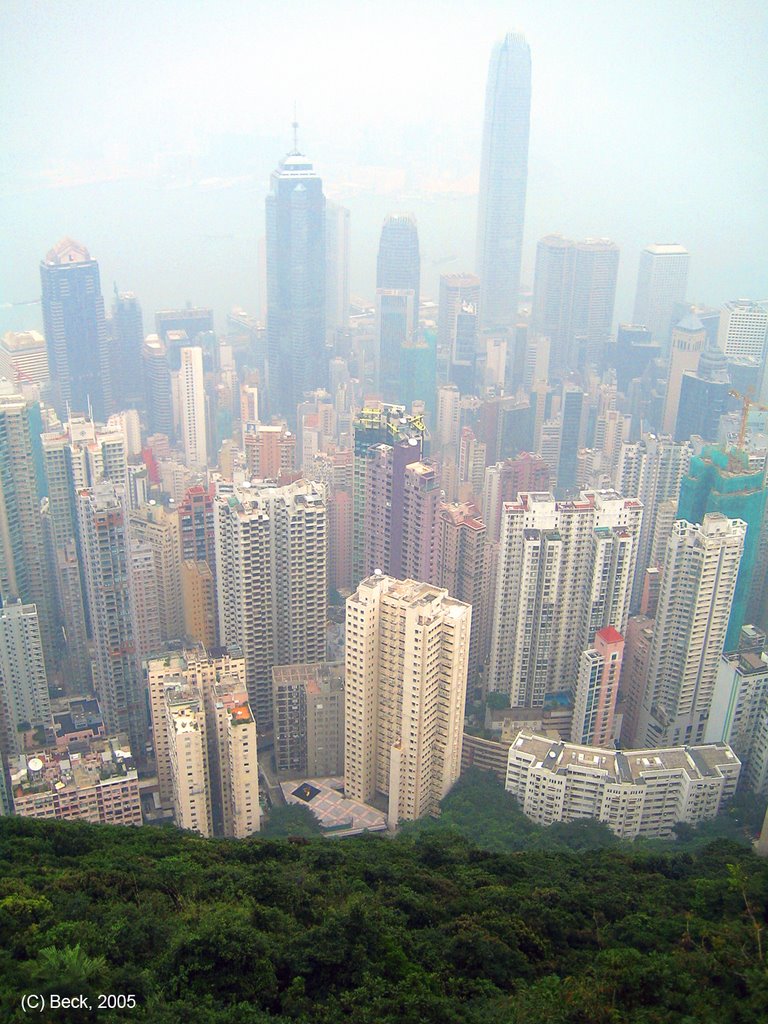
747, 403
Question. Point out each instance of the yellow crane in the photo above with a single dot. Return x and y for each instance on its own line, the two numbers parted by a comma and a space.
747, 403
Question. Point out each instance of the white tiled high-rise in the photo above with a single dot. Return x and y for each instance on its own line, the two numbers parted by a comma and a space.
407, 645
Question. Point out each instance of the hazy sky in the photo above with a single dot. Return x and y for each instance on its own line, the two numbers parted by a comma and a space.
148, 130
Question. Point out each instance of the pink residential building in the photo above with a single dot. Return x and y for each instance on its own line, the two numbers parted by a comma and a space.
597, 688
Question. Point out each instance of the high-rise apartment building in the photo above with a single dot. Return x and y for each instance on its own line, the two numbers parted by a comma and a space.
571, 414
505, 480
697, 587
739, 712
336, 470
270, 450
190, 390
212, 748
202, 671
79, 455
309, 719
573, 296
386, 440
743, 330
198, 595
398, 265
597, 689
236, 754
725, 482
145, 602
272, 580
24, 572
565, 571
407, 645
157, 530
185, 724
76, 330
503, 181
652, 469
662, 278
462, 566
23, 679
412, 554
296, 287
104, 550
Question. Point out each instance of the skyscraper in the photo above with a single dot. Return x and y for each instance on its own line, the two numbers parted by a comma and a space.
662, 278
457, 326
386, 440
337, 234
127, 344
23, 679
503, 180
191, 398
573, 296
725, 482
689, 339
407, 645
394, 328
296, 265
272, 580
697, 588
651, 469
565, 571
76, 330
398, 265
157, 385
24, 573
104, 545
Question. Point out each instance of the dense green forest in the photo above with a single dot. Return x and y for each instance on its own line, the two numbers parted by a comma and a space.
424, 928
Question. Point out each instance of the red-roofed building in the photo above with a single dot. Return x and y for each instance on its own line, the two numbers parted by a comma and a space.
597, 688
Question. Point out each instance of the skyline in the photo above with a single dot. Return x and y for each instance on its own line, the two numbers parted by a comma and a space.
166, 176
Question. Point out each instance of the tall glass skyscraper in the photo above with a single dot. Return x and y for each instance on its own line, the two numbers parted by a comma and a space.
398, 265
503, 180
76, 330
296, 358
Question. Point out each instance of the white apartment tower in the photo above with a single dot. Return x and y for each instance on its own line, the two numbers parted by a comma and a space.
662, 278
697, 588
407, 645
23, 680
191, 397
271, 558
565, 571
652, 469
188, 750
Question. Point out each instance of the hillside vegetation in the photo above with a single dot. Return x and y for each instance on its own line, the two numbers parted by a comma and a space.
425, 928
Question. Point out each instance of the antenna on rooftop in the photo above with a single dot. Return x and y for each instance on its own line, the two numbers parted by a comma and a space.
295, 126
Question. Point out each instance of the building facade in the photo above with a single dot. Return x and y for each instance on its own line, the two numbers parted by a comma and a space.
407, 647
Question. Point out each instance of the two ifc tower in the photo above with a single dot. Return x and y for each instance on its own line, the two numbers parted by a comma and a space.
295, 230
